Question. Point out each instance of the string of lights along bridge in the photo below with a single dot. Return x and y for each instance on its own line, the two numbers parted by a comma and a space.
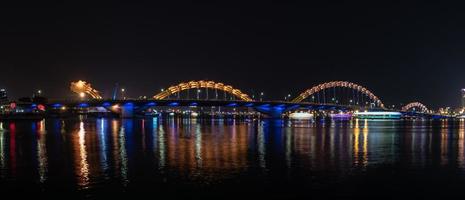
337, 98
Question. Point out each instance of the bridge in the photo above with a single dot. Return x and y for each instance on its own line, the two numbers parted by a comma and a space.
419, 110
329, 96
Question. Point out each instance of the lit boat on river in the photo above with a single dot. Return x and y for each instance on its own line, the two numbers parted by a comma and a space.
301, 116
377, 115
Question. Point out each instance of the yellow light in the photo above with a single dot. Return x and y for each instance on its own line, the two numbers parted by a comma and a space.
82, 94
80, 84
63, 108
114, 107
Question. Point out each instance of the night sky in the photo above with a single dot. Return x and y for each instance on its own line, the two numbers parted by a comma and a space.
401, 52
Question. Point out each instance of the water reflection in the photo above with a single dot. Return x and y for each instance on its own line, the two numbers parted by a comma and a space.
2, 152
102, 127
81, 163
123, 152
102, 151
12, 138
42, 150
461, 143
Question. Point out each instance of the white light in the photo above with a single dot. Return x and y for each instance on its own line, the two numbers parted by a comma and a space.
82, 94
300, 115
377, 113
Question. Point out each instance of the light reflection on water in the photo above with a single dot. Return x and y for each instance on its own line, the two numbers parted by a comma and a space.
100, 151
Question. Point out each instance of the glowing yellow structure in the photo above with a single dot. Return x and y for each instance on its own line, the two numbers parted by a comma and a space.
334, 84
418, 107
202, 84
82, 88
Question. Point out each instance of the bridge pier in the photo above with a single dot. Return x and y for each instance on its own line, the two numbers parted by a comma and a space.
127, 110
274, 112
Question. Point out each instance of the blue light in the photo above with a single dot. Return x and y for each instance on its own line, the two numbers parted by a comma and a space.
194, 104
248, 105
106, 104
129, 104
265, 107
232, 105
174, 104
279, 108
294, 107
57, 105
34, 105
151, 104
83, 105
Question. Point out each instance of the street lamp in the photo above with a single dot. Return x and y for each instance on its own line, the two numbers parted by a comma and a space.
122, 93
198, 93
82, 95
287, 97
261, 96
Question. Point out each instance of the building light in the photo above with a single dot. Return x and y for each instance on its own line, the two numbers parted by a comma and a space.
115, 107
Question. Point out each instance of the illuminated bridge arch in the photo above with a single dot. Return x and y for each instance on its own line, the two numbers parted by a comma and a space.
416, 106
82, 87
362, 92
202, 84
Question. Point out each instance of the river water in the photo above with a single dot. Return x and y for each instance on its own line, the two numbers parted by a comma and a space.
95, 158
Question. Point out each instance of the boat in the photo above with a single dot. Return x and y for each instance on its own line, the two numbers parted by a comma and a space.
301, 116
194, 114
377, 115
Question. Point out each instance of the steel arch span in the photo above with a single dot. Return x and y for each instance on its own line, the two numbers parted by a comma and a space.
82, 87
414, 105
335, 84
202, 84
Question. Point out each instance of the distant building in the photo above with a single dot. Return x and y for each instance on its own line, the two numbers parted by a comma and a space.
3, 95
463, 98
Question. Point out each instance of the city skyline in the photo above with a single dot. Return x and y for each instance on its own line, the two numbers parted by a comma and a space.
277, 49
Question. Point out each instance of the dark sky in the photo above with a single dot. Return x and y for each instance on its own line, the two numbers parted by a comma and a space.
401, 52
